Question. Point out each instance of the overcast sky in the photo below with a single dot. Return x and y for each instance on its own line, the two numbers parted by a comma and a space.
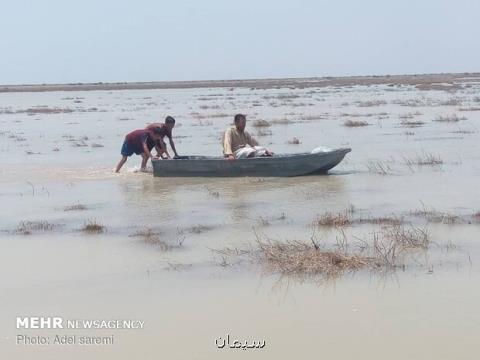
63, 41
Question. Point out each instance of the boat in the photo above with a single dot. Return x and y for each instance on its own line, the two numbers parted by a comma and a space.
282, 165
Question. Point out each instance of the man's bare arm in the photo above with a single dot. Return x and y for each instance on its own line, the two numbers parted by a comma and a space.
172, 145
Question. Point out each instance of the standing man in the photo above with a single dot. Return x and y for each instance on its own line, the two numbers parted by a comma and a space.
237, 143
165, 130
140, 142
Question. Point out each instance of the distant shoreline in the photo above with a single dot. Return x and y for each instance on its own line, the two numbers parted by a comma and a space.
422, 81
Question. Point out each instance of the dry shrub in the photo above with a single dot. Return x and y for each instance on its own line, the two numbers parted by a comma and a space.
294, 141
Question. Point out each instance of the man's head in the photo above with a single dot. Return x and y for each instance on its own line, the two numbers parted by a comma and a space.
240, 122
169, 122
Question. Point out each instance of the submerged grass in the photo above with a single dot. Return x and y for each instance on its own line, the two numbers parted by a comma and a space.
151, 237
28, 227
260, 123
355, 123
386, 250
379, 167
76, 207
423, 160
93, 227
449, 118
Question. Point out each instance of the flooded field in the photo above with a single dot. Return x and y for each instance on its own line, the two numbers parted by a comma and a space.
396, 224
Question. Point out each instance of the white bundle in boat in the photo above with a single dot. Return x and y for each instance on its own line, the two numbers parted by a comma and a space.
321, 149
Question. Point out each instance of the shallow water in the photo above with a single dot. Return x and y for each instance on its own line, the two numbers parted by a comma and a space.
179, 286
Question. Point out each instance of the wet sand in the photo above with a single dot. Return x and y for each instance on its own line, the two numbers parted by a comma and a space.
155, 260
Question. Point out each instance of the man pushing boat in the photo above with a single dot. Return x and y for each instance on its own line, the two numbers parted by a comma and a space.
239, 144
140, 142
165, 130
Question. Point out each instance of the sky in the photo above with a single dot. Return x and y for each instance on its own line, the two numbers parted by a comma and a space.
66, 41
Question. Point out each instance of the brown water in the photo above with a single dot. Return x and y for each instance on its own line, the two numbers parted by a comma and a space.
182, 292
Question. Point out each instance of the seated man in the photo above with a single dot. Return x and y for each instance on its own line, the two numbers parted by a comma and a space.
238, 144
140, 142
166, 130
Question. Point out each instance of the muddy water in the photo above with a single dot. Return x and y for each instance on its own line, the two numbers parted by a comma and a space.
186, 293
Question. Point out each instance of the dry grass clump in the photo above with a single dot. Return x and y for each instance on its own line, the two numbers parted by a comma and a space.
355, 123
45, 110
411, 102
314, 117
220, 115
449, 118
92, 227
76, 207
451, 102
371, 103
205, 107
379, 167
260, 123
434, 216
284, 97
412, 123
282, 121
357, 115
470, 108
423, 160
410, 115
28, 227
463, 131
384, 220
333, 219
151, 237
407, 238
292, 257
295, 257
198, 229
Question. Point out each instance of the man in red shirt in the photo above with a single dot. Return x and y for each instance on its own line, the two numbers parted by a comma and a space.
166, 130
140, 142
